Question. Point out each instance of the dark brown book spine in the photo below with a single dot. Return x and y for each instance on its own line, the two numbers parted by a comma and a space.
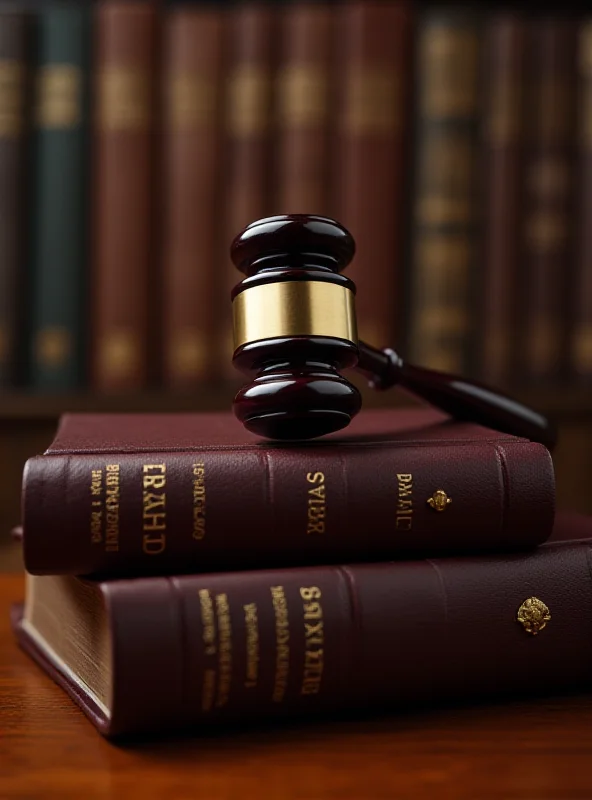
502, 157
549, 192
123, 181
191, 177
127, 513
13, 101
266, 643
581, 288
444, 217
248, 157
374, 69
303, 92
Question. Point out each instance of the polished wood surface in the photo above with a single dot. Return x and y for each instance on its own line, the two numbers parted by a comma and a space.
520, 751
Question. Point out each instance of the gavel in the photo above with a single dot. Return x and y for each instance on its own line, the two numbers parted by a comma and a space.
295, 330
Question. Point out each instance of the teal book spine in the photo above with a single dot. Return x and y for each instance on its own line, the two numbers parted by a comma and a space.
59, 225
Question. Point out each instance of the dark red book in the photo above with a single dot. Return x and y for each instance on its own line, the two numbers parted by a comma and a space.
580, 346
155, 654
303, 108
192, 84
548, 223
124, 119
248, 160
146, 493
502, 158
373, 49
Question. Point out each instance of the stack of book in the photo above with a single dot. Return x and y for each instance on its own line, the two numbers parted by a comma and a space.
453, 141
403, 562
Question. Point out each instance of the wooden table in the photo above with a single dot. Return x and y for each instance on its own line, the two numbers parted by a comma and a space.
534, 750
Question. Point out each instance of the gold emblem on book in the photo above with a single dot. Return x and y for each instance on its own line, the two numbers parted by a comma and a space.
439, 501
533, 615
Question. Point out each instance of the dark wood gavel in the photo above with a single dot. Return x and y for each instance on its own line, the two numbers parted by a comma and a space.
295, 330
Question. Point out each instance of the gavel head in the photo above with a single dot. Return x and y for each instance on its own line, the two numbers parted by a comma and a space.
294, 327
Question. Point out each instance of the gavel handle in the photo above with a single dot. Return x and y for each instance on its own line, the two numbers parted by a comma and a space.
457, 396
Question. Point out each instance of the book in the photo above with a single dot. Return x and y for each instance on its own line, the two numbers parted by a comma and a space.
548, 229
14, 79
444, 216
251, 41
580, 303
59, 218
164, 493
192, 84
122, 203
303, 96
374, 69
502, 156
157, 654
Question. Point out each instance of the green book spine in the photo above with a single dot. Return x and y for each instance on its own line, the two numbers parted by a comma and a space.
443, 216
59, 213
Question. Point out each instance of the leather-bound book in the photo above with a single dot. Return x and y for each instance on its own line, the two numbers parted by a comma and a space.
248, 158
502, 157
373, 65
125, 51
14, 49
59, 218
192, 84
444, 216
156, 654
303, 95
580, 347
123, 495
548, 225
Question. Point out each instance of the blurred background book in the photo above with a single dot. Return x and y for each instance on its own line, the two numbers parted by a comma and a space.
137, 138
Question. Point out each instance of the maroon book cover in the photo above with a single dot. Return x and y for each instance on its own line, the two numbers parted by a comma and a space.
245, 645
192, 84
159, 494
374, 68
502, 157
548, 224
580, 348
124, 120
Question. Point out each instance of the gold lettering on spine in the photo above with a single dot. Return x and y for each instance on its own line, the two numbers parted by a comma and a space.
96, 506
314, 640
252, 628
112, 496
404, 514
316, 503
224, 649
154, 508
199, 500
59, 96
208, 624
282, 635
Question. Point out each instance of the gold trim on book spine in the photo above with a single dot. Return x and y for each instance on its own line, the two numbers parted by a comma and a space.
294, 308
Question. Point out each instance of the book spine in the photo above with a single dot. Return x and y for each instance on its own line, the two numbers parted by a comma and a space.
304, 641
369, 177
192, 85
443, 246
159, 513
302, 109
59, 213
502, 157
248, 112
581, 299
123, 181
14, 41
549, 192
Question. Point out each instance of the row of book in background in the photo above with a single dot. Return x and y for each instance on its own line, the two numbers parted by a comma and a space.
136, 139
